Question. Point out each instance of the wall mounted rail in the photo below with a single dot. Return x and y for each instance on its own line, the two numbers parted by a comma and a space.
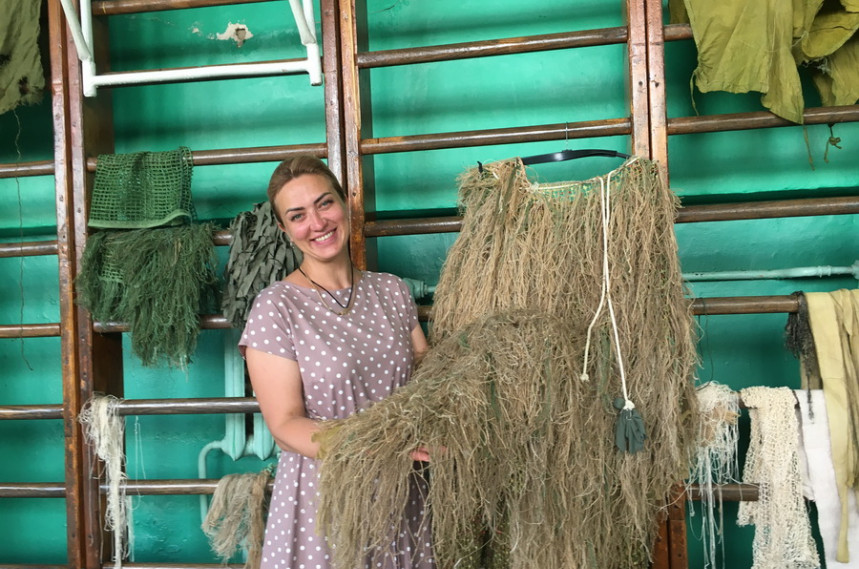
28, 248
24, 169
768, 209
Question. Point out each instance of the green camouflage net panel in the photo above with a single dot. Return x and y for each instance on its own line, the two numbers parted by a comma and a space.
142, 189
260, 254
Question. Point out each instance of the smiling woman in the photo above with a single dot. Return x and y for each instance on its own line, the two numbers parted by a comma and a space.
323, 343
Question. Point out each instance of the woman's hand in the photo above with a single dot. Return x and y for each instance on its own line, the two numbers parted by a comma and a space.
420, 454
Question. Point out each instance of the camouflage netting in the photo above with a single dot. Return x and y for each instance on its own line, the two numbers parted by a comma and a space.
521, 445
142, 189
156, 280
158, 272
259, 255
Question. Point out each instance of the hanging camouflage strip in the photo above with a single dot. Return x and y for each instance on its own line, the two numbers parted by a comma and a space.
260, 254
524, 467
236, 517
22, 79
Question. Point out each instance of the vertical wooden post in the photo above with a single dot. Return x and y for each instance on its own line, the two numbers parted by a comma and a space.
646, 52
352, 123
63, 184
334, 135
361, 199
677, 544
638, 80
672, 541
656, 86
99, 356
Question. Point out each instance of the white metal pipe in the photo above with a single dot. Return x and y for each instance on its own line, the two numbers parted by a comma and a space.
203, 474
84, 52
314, 58
794, 273
306, 26
83, 36
88, 71
197, 73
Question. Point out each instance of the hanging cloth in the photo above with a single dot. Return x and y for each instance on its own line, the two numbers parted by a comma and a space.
22, 80
834, 321
820, 480
782, 529
756, 46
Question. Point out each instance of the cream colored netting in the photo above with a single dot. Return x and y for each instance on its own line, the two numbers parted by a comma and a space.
782, 530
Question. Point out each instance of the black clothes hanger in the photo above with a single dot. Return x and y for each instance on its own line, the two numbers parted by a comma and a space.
571, 155
565, 155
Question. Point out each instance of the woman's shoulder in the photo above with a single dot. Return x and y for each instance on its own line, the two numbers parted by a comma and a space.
279, 292
385, 281
378, 277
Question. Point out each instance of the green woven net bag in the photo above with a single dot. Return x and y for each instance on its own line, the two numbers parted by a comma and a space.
142, 189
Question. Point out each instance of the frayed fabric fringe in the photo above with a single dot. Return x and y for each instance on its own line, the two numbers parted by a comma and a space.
524, 467
236, 516
105, 431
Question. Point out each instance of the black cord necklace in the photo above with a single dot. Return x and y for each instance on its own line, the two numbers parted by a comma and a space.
345, 308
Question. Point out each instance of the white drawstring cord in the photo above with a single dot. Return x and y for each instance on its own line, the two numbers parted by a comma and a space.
605, 294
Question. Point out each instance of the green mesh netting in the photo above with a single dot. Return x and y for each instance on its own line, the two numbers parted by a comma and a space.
142, 189
153, 269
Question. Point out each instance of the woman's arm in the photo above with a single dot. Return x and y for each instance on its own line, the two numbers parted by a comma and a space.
277, 384
419, 343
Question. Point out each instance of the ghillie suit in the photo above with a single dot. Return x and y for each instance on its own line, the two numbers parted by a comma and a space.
151, 267
543, 291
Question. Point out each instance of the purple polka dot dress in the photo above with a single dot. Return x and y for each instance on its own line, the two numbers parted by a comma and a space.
347, 363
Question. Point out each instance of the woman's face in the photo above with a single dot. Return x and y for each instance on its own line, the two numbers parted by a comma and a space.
314, 217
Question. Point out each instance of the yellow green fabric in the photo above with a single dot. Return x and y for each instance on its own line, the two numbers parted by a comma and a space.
22, 79
838, 86
756, 46
834, 320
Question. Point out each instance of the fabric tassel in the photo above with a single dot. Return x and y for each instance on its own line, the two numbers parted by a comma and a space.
629, 433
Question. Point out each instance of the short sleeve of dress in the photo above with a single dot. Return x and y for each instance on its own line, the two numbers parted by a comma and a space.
269, 326
408, 309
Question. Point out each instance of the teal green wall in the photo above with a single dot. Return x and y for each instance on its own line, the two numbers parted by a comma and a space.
520, 90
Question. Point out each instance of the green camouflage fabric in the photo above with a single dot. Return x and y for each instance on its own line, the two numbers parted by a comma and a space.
756, 46
22, 79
